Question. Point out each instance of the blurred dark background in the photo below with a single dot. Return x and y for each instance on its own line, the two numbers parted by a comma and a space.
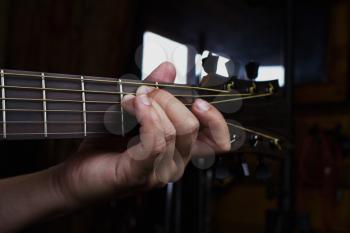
309, 188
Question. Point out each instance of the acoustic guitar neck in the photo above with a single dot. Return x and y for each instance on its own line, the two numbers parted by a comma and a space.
50, 106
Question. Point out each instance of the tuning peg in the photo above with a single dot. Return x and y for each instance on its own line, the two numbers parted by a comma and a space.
232, 68
252, 70
262, 170
210, 63
254, 140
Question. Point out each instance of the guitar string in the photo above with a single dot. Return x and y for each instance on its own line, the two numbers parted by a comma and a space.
120, 82
93, 102
99, 122
111, 92
56, 110
56, 133
117, 92
56, 122
134, 83
90, 111
62, 100
248, 95
118, 102
275, 140
266, 136
106, 111
243, 98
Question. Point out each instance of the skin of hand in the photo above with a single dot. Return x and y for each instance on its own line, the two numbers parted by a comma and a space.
170, 134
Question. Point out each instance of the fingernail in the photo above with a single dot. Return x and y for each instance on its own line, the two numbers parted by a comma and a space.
143, 90
127, 98
145, 100
202, 105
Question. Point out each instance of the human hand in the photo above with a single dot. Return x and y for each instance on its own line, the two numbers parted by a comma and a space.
170, 134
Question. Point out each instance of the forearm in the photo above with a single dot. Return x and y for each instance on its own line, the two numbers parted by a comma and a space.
29, 198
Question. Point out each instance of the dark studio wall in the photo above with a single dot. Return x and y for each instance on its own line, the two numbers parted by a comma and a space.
63, 36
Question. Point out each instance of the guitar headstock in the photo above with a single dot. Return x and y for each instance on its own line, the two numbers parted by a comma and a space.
255, 110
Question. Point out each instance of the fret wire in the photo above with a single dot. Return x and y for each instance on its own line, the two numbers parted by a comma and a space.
43, 85
124, 82
84, 104
3, 97
55, 110
121, 107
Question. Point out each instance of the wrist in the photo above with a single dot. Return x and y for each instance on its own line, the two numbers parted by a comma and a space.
60, 187
31, 198
85, 179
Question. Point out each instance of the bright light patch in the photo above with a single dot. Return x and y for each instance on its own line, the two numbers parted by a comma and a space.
221, 69
268, 73
158, 49
198, 65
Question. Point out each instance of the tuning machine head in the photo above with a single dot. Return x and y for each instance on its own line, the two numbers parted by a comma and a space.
254, 140
210, 63
252, 71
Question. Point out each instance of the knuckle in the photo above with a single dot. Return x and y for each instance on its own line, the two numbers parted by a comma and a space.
193, 125
159, 146
170, 134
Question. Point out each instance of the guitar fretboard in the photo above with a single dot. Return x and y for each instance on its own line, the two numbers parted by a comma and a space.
45, 105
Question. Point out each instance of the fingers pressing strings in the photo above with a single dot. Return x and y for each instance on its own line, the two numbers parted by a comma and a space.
152, 140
